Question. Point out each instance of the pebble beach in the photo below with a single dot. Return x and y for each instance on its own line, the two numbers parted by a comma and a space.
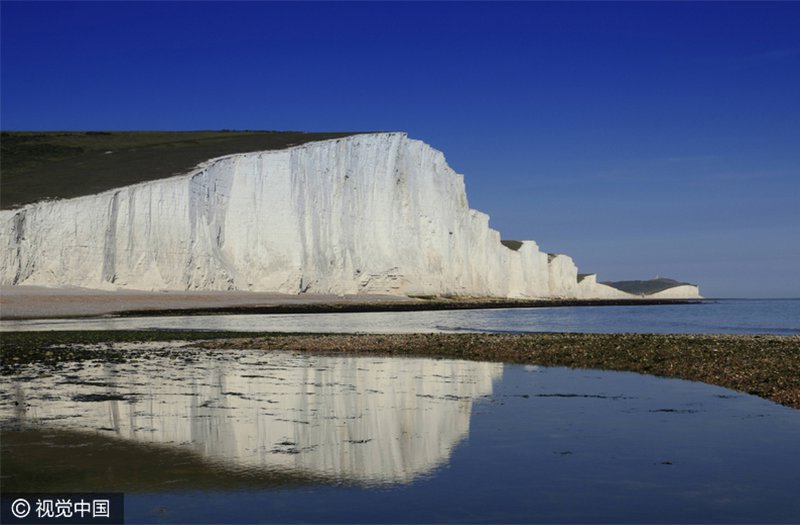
763, 365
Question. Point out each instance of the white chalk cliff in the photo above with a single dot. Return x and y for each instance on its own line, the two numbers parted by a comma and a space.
373, 213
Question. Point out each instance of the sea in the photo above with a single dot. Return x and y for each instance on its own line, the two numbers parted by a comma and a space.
715, 316
191, 435
247, 436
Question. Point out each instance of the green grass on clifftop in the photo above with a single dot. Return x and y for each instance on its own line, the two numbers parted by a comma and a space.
38, 165
651, 286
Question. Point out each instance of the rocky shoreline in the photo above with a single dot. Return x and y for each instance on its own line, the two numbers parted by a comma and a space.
763, 365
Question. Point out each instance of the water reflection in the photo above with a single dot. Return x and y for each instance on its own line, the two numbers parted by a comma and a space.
251, 437
349, 419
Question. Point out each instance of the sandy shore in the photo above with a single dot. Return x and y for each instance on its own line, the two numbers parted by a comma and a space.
38, 302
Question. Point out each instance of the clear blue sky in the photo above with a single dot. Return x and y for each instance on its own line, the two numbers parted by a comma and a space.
642, 139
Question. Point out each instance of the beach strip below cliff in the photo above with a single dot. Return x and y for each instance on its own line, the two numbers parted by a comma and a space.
39, 302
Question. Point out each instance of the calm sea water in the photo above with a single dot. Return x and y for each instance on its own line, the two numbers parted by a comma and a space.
731, 316
237, 436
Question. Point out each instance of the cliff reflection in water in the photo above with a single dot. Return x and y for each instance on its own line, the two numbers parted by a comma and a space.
352, 419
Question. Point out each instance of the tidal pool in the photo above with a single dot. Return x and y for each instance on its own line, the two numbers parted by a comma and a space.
230, 436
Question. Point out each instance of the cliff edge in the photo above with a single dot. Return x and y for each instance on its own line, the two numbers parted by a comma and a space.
369, 213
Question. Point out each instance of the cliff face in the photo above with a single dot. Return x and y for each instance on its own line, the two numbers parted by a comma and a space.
589, 288
684, 291
376, 213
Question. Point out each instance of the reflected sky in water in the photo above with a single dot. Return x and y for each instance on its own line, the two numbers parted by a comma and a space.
249, 436
770, 316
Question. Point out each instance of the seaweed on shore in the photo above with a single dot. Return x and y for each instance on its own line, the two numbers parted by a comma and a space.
54, 348
764, 365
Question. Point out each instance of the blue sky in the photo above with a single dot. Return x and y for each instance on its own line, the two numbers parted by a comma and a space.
642, 139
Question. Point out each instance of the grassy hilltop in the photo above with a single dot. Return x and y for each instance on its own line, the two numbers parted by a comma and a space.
37, 165
651, 286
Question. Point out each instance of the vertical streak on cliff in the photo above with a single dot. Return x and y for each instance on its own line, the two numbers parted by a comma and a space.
189, 268
218, 202
110, 241
305, 239
19, 240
